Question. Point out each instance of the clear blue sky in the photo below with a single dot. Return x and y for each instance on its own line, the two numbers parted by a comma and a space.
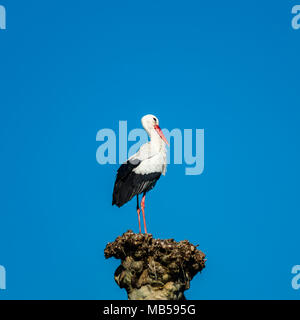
70, 68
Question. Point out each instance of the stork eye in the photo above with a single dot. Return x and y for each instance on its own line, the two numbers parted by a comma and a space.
154, 119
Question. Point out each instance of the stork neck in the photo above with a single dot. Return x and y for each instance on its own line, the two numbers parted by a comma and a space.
155, 139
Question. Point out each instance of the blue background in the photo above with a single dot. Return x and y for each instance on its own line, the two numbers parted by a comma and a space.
71, 68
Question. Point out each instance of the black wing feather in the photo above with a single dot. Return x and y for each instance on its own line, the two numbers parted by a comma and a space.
128, 183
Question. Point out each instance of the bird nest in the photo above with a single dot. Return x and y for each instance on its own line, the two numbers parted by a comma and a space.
164, 267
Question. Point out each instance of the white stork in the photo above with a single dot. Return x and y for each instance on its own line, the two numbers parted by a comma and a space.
141, 171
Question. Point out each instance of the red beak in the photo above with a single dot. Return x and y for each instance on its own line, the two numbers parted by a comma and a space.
158, 130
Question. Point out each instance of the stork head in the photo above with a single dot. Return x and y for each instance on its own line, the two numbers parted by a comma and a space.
150, 122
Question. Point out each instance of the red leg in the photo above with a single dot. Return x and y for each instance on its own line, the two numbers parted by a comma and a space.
143, 210
138, 212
